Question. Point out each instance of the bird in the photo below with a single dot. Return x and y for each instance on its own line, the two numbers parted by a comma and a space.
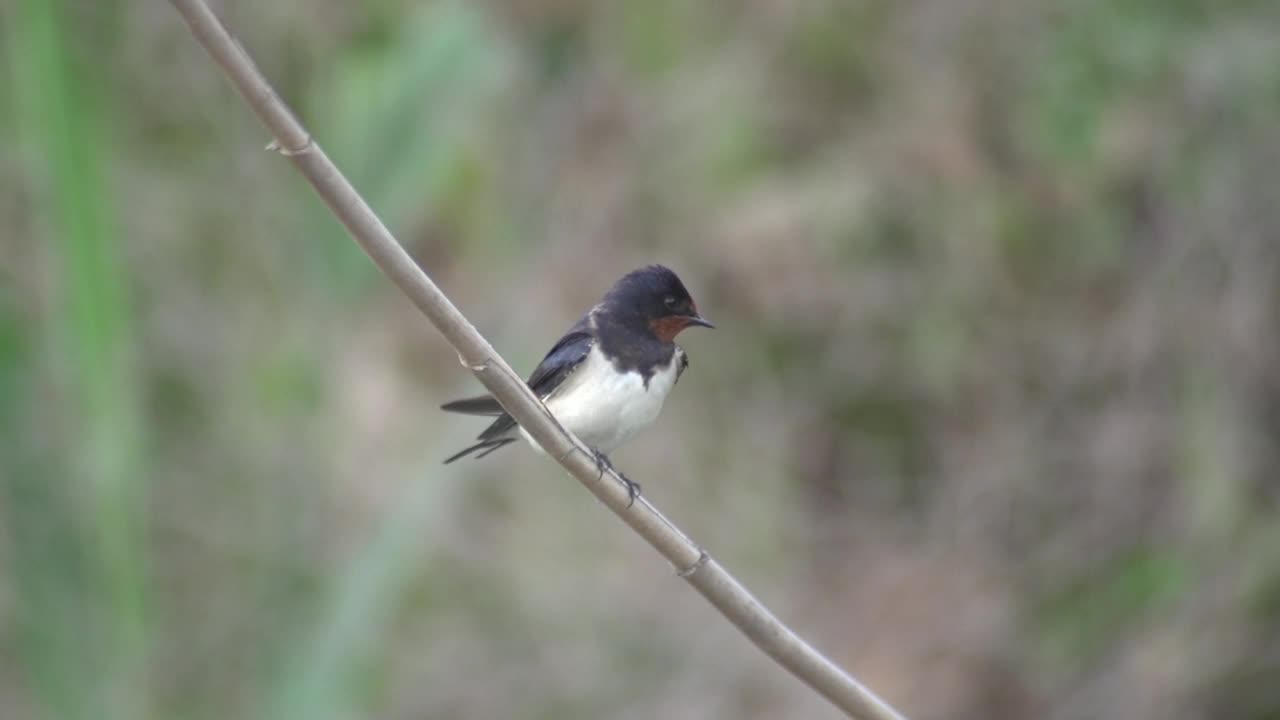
606, 379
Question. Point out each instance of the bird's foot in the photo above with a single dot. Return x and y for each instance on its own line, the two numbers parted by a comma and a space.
603, 463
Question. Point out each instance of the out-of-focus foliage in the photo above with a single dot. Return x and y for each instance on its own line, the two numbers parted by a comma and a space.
992, 415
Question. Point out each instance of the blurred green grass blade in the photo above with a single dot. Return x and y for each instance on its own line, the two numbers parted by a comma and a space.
51, 594
318, 682
36, 523
15, 365
397, 118
63, 139
1078, 622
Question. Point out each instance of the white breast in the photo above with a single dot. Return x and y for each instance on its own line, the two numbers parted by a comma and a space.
605, 408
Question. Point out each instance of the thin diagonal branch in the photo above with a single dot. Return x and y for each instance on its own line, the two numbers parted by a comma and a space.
691, 562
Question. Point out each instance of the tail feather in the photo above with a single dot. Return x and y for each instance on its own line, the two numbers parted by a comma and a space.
486, 446
496, 446
479, 405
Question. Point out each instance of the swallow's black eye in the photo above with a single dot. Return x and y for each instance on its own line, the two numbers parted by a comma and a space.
669, 301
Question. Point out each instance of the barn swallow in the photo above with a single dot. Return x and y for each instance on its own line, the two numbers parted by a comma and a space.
607, 378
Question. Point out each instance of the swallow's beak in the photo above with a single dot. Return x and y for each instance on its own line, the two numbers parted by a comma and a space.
698, 320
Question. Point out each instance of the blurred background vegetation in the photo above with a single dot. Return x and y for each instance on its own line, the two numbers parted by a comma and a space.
992, 415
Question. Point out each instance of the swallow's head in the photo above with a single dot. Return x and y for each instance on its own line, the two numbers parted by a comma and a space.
654, 297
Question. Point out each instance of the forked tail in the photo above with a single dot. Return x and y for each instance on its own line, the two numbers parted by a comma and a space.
487, 446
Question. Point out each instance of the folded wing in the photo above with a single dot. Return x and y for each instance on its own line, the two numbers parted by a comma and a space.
559, 362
